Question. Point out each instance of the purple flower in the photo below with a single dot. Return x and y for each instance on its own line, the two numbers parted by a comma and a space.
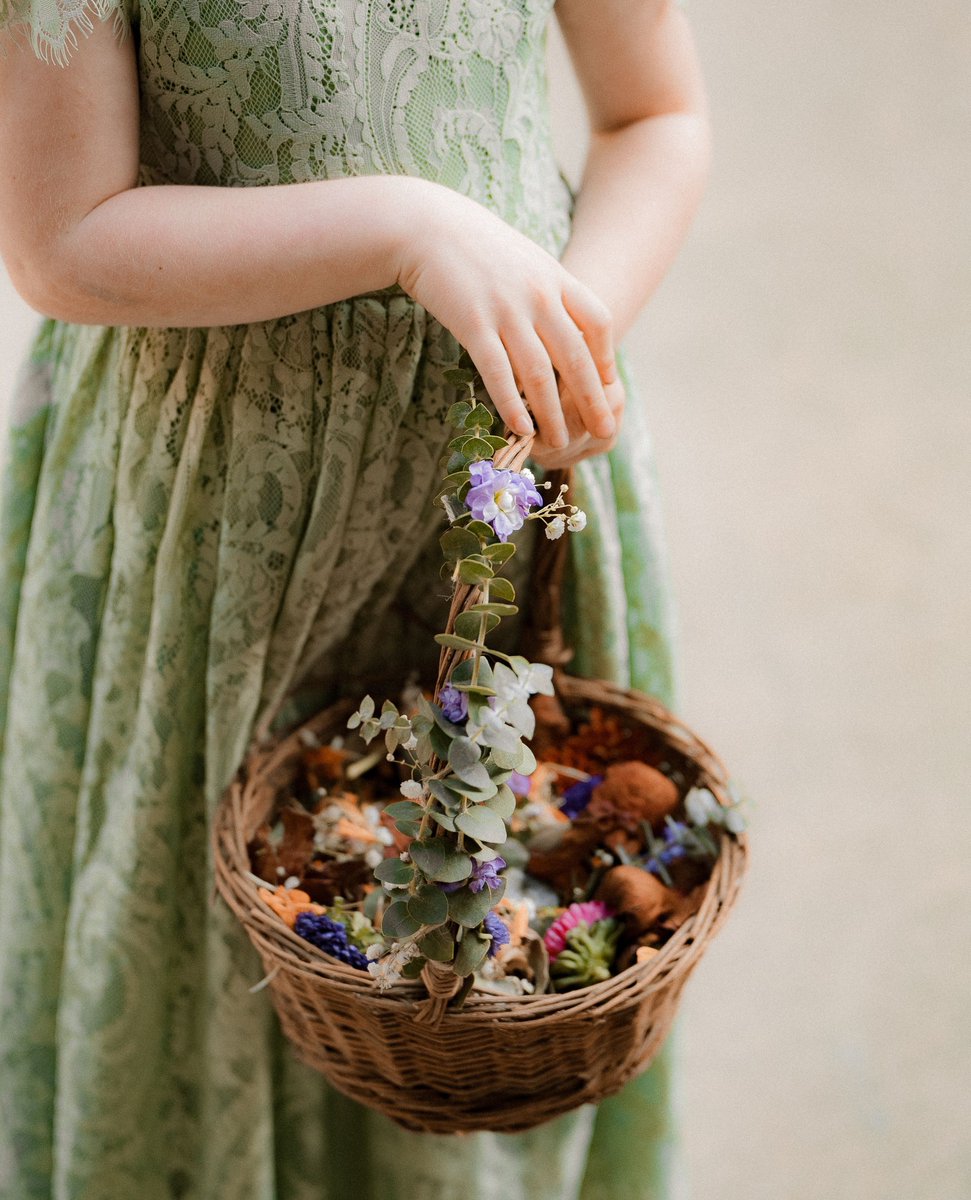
500, 934
519, 784
500, 498
483, 875
577, 796
455, 704
331, 937
486, 874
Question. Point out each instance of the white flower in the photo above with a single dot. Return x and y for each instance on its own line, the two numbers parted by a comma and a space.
528, 474
577, 522
733, 821
555, 528
411, 743
536, 677
386, 970
373, 855
492, 730
411, 789
702, 807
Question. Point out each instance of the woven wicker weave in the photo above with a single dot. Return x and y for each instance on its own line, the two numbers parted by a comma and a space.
500, 1063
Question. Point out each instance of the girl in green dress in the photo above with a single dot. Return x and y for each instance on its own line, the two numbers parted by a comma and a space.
260, 231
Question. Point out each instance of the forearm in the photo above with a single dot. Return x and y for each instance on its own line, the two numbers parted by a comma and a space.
200, 256
640, 188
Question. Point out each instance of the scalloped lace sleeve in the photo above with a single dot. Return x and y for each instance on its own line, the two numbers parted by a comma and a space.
53, 26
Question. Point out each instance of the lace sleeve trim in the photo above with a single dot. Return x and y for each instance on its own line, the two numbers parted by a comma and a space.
53, 27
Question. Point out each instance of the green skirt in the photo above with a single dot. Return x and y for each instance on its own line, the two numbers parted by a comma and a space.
201, 532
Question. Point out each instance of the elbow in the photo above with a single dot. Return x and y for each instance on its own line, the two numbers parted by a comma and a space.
53, 286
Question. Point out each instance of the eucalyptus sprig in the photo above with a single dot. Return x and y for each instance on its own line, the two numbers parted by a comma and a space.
462, 748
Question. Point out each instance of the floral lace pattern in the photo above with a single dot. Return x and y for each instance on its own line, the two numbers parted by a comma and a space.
196, 526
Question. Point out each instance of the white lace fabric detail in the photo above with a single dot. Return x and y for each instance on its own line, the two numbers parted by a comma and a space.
53, 27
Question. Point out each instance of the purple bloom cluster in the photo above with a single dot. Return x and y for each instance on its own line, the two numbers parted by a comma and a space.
483, 875
673, 848
331, 937
500, 934
577, 796
500, 498
455, 704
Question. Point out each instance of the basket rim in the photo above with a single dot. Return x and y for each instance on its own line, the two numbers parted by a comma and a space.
276, 941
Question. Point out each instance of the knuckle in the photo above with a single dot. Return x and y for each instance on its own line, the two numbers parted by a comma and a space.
536, 379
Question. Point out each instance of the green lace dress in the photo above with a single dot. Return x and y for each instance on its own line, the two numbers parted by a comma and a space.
197, 524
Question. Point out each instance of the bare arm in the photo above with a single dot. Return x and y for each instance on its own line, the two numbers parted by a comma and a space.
83, 243
649, 148
644, 173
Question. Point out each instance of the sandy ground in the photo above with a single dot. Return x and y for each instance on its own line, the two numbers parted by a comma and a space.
807, 367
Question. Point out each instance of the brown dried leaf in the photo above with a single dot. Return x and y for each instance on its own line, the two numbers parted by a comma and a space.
297, 844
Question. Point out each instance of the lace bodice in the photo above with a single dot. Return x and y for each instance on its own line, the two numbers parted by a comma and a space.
277, 91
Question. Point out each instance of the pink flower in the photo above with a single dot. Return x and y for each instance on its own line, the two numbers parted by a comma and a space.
589, 912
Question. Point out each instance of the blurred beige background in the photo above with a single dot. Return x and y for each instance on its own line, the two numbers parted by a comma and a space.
807, 367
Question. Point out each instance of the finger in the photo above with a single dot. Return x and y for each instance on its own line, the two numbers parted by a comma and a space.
490, 356
571, 415
594, 321
572, 358
532, 366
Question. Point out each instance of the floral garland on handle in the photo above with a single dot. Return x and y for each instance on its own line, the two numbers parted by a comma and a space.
463, 748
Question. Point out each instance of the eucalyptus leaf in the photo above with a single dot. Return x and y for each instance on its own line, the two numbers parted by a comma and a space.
463, 753
481, 530
503, 803
444, 795
446, 820
480, 417
405, 810
398, 922
429, 905
440, 741
471, 952
477, 778
408, 828
508, 760
527, 764
459, 376
496, 442
462, 672
455, 643
440, 860
476, 795
471, 571
455, 480
494, 608
500, 587
367, 707
477, 447
438, 945
394, 871
469, 624
458, 542
499, 552
483, 824
469, 908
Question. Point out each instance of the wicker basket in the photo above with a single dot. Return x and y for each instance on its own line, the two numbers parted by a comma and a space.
500, 1063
